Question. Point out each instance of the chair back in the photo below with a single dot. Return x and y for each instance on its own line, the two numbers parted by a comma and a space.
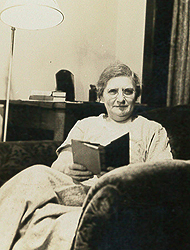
176, 121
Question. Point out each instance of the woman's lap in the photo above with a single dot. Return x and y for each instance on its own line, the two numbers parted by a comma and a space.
52, 227
33, 191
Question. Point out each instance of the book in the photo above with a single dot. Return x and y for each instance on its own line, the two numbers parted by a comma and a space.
41, 92
53, 96
46, 98
59, 99
59, 94
41, 97
97, 158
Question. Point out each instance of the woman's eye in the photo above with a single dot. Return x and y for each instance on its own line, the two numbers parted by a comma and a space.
113, 91
128, 91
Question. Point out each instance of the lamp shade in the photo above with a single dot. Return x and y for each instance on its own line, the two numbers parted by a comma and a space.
31, 14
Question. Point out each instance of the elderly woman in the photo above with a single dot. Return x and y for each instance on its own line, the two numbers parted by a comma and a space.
118, 88
40, 207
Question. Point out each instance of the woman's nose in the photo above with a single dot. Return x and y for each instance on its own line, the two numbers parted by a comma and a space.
120, 96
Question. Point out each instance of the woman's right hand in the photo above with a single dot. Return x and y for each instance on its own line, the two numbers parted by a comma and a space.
78, 172
64, 163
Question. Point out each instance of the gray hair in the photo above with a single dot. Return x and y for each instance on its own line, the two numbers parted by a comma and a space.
116, 70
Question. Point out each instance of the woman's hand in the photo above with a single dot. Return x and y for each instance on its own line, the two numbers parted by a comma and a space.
104, 172
64, 163
78, 172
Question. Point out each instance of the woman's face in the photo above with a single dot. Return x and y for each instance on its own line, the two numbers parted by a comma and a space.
119, 98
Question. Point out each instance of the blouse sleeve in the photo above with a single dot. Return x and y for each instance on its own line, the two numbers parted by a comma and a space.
159, 147
76, 133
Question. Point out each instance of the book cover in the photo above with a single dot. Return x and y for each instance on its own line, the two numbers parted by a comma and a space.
97, 158
59, 94
41, 97
59, 99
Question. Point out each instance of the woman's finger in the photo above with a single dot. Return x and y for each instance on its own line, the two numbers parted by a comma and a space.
78, 167
110, 168
80, 173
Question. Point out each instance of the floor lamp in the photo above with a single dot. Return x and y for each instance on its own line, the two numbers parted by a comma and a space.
31, 15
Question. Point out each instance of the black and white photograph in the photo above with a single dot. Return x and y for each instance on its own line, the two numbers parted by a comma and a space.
95, 125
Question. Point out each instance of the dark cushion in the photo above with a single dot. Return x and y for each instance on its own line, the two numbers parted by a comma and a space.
139, 206
16, 156
176, 121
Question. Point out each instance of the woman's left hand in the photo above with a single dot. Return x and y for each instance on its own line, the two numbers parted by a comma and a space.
104, 172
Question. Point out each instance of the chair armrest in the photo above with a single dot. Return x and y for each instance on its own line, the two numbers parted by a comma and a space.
139, 206
18, 155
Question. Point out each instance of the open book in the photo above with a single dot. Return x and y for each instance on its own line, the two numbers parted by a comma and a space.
97, 158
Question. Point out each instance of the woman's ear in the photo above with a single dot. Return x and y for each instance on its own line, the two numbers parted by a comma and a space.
138, 93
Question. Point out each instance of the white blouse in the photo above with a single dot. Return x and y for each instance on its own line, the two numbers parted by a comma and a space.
148, 140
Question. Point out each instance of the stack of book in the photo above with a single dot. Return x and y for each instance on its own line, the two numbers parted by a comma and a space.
58, 96
53, 96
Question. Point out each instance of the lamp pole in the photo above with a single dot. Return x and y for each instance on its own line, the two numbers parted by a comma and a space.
9, 83
34, 15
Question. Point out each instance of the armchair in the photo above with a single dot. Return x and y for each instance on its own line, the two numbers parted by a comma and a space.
139, 206
176, 121
18, 155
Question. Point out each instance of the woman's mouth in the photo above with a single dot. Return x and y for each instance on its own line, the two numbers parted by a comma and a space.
121, 106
